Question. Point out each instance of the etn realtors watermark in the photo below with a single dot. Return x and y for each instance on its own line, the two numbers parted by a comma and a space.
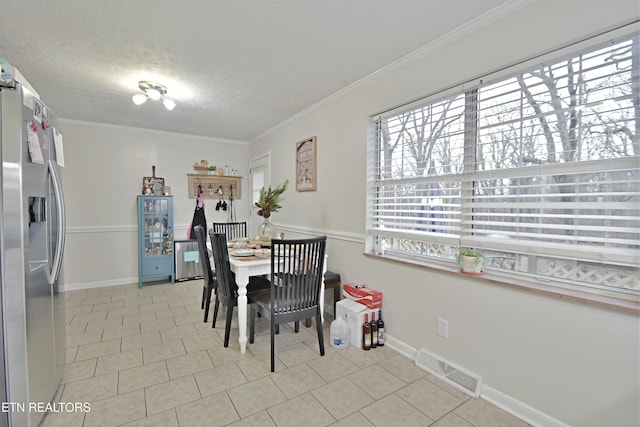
45, 407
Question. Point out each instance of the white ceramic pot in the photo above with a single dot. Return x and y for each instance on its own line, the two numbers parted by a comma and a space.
471, 264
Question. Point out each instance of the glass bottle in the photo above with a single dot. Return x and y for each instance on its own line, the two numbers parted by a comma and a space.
380, 329
374, 330
366, 333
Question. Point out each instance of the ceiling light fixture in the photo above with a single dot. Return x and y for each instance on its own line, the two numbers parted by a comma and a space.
154, 91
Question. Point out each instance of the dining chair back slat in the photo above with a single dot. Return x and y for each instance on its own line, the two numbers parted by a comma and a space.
296, 282
233, 230
227, 287
226, 291
210, 278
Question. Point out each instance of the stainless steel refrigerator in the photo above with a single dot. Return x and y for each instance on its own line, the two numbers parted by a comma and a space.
32, 231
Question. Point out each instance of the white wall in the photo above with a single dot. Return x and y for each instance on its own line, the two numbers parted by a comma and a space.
104, 166
551, 360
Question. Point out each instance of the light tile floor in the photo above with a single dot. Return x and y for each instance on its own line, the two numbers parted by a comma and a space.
144, 357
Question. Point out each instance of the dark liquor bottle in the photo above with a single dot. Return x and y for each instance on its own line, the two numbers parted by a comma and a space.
374, 330
366, 333
380, 330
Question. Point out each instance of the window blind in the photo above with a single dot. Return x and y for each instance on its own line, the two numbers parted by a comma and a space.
543, 161
569, 130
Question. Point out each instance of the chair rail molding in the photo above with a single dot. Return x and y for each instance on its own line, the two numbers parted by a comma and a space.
96, 229
331, 234
100, 229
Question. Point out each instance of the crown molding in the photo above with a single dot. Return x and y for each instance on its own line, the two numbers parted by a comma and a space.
153, 131
449, 38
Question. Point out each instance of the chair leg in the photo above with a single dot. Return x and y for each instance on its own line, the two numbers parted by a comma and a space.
215, 311
320, 333
227, 326
207, 304
296, 326
204, 293
273, 344
252, 324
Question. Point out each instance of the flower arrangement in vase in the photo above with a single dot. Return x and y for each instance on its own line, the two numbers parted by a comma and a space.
269, 202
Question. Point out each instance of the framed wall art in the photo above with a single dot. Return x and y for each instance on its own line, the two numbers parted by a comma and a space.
306, 175
152, 185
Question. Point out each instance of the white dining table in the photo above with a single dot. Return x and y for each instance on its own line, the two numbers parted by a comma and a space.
245, 268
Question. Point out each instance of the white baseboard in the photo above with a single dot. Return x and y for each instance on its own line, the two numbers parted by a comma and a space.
519, 409
503, 401
399, 346
98, 284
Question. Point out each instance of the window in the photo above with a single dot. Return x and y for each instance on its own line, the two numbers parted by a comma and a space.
539, 169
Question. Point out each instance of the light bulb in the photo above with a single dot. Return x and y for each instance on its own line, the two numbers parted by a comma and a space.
169, 104
154, 94
139, 99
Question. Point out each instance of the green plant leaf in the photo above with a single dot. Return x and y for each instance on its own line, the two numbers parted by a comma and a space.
270, 199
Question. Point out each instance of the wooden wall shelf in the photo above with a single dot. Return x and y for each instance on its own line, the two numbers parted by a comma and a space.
211, 183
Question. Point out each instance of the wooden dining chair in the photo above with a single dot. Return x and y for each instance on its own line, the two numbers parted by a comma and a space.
296, 281
232, 230
210, 279
227, 287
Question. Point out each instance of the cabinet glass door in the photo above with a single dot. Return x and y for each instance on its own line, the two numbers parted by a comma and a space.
157, 231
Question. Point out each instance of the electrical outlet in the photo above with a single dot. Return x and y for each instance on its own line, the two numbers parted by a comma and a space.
443, 328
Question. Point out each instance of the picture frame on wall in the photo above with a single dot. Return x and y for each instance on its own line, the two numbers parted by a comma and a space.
306, 170
152, 185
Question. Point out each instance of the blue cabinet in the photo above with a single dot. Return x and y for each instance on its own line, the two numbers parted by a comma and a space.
155, 238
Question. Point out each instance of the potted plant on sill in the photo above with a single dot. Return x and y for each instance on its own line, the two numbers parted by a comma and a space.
470, 260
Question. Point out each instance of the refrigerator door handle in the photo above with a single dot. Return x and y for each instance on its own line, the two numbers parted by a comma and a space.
62, 223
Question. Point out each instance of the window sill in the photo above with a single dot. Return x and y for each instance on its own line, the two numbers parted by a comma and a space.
565, 293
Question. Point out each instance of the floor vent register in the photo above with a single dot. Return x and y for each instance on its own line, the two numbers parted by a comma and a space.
450, 373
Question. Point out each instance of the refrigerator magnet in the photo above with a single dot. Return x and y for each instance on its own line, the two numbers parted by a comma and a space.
37, 111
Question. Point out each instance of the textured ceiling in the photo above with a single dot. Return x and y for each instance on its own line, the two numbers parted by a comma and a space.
234, 68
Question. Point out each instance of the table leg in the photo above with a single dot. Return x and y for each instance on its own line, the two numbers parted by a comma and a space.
242, 281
